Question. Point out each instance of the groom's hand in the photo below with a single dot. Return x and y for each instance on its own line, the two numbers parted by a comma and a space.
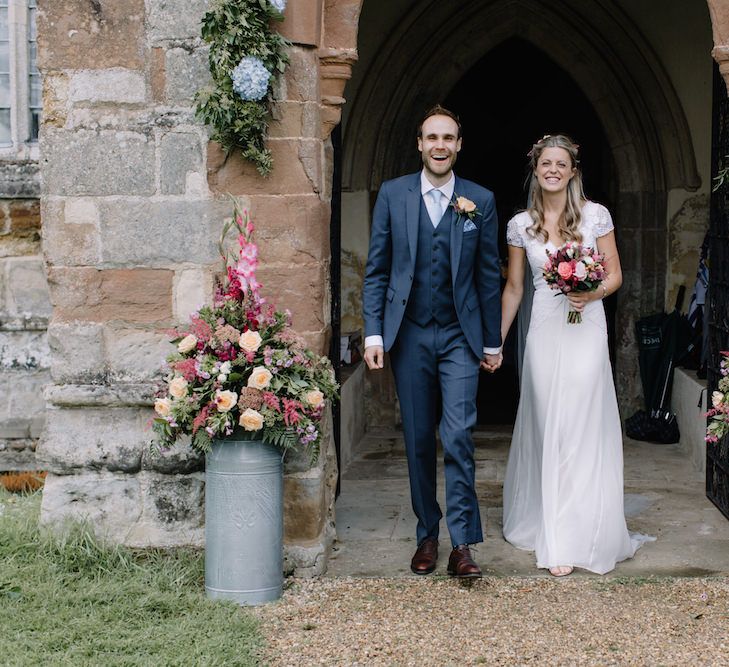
491, 362
374, 357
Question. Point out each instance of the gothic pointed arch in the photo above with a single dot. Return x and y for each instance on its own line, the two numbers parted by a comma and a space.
614, 66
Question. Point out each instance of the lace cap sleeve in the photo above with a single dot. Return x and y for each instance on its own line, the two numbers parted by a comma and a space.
513, 235
603, 221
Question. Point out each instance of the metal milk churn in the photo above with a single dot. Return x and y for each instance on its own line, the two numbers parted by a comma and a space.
243, 521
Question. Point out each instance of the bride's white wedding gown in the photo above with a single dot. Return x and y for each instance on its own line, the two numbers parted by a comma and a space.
563, 490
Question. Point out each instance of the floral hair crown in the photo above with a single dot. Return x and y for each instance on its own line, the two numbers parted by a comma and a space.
534, 147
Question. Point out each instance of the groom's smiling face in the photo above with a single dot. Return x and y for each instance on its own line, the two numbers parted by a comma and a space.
439, 144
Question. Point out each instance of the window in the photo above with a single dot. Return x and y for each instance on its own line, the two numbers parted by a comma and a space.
5, 137
20, 81
34, 80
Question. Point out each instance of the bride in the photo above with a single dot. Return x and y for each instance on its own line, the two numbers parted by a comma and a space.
563, 490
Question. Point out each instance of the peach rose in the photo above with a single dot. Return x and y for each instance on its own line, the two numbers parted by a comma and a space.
314, 397
178, 387
251, 420
260, 378
250, 341
565, 270
465, 205
187, 344
225, 400
163, 406
716, 398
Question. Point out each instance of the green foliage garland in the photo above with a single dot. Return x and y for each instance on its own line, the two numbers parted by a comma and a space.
234, 29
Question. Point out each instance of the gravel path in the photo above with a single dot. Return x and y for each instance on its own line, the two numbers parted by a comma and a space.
580, 620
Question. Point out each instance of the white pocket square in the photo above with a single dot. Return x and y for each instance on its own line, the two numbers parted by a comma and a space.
468, 226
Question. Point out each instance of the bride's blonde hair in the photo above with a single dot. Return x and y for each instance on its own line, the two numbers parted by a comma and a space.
569, 221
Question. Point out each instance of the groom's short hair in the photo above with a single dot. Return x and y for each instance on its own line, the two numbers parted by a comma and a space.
438, 110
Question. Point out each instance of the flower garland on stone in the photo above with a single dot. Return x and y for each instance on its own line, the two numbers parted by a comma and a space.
245, 58
239, 367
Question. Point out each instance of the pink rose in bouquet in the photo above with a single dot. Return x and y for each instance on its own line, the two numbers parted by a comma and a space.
574, 268
565, 270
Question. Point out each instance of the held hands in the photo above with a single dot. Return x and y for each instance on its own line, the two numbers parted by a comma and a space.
578, 300
491, 362
374, 357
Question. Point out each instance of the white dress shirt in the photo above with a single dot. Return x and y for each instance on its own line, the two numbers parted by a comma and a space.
425, 188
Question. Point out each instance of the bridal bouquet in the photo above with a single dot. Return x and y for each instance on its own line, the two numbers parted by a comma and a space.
238, 364
718, 425
574, 268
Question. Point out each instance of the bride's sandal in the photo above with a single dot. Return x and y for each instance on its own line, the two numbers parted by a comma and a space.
561, 570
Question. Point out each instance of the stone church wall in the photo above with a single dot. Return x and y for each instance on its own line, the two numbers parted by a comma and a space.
24, 312
133, 200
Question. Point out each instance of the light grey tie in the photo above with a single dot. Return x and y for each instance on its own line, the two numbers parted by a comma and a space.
437, 197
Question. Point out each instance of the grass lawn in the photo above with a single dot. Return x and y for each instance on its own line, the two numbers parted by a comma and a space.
73, 601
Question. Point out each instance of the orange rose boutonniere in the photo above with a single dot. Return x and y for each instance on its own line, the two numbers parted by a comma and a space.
464, 207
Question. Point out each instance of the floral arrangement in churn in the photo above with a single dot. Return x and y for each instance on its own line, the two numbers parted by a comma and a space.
718, 414
239, 365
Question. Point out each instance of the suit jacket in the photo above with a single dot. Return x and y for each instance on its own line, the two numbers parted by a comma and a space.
474, 262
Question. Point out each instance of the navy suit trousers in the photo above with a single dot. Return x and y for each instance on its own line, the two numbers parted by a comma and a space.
431, 362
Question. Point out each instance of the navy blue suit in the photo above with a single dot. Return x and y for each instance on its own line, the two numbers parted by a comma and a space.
433, 294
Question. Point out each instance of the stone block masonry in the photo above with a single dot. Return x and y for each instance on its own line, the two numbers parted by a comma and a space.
24, 311
133, 200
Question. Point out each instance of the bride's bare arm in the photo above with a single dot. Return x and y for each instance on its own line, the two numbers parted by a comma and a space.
514, 290
614, 274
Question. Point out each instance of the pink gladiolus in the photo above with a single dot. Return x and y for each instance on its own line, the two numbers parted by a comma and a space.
565, 270
244, 267
249, 251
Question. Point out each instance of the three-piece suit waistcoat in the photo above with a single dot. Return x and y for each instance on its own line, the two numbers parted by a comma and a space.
431, 295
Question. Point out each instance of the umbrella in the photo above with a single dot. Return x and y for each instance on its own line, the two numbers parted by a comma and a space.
663, 340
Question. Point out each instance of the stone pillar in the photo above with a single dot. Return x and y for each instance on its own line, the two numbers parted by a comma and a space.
719, 12
292, 212
133, 200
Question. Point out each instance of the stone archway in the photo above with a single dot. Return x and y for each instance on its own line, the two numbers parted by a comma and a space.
564, 29
632, 95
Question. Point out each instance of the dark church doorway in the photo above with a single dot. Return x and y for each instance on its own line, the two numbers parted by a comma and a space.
506, 102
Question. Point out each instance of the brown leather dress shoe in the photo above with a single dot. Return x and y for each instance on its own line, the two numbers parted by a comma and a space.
461, 565
425, 557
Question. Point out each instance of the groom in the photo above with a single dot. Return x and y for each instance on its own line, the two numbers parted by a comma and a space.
432, 299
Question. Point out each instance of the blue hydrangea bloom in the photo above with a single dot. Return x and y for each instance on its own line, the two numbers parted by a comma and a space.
250, 78
279, 4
